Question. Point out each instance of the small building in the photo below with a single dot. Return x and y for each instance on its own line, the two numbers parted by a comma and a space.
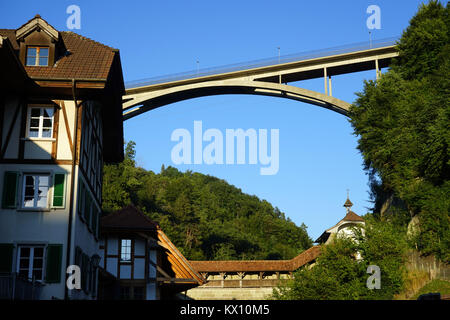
344, 227
138, 261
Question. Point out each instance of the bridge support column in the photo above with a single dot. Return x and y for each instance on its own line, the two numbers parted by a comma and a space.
222, 278
377, 69
241, 276
325, 80
329, 86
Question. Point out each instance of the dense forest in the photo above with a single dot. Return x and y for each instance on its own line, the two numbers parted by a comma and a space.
205, 217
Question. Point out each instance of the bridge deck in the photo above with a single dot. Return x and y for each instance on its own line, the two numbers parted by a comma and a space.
295, 67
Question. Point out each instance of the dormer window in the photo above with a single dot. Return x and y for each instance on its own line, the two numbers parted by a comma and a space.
37, 56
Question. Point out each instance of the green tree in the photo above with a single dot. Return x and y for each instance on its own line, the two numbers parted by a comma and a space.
402, 122
339, 275
121, 181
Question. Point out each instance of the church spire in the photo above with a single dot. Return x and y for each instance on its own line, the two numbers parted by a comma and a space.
348, 204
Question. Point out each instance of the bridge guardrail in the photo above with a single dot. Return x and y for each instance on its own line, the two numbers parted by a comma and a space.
263, 62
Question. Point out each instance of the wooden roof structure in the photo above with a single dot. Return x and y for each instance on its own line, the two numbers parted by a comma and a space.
252, 266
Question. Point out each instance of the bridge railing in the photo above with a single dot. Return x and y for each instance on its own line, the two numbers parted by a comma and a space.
263, 62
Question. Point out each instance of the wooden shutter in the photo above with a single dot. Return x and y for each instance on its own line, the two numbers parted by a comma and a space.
59, 180
95, 213
54, 262
81, 198
84, 272
78, 257
6, 257
10, 183
87, 205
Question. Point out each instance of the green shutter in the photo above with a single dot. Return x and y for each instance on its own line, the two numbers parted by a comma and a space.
94, 220
87, 210
10, 183
6, 257
77, 256
58, 189
54, 262
80, 198
84, 272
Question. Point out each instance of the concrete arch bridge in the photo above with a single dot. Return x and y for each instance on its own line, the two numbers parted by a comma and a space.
269, 77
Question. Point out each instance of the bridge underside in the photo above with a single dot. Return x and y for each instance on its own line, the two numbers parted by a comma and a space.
267, 80
143, 102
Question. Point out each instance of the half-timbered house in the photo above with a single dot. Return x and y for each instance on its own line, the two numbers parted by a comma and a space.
60, 120
138, 260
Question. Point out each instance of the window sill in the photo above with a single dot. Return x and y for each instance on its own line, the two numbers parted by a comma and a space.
34, 210
38, 139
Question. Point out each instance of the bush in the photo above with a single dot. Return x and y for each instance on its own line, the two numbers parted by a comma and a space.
338, 275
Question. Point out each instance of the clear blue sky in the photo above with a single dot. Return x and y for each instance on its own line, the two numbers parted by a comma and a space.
318, 156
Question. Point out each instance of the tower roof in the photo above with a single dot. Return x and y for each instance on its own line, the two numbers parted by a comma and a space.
351, 216
348, 203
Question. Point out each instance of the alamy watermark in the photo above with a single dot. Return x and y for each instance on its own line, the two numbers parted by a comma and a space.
213, 152
74, 20
74, 278
374, 20
374, 281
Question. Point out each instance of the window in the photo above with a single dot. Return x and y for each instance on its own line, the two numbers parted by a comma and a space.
31, 262
125, 250
139, 293
35, 190
132, 293
37, 56
125, 293
40, 122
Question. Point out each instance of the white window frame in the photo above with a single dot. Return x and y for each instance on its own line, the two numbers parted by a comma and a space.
41, 121
31, 260
24, 184
125, 253
37, 57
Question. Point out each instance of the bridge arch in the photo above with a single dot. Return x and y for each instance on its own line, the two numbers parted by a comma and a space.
149, 98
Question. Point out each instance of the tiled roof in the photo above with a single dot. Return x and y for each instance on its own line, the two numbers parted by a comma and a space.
258, 265
351, 216
84, 58
11, 35
127, 218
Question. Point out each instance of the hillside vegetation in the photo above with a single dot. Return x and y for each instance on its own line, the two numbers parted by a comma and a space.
205, 217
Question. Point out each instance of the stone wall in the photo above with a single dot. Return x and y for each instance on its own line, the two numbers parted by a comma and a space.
430, 265
422, 270
218, 293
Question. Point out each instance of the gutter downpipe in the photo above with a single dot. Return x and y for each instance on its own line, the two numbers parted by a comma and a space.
72, 191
